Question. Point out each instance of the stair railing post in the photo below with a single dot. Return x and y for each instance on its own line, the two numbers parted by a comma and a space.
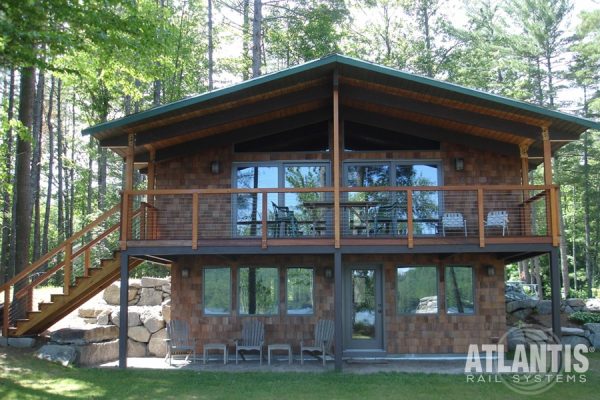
68, 267
87, 261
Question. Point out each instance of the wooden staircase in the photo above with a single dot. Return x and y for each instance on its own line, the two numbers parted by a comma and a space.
78, 286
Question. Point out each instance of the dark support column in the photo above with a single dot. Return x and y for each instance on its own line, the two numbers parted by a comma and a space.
555, 291
338, 310
123, 309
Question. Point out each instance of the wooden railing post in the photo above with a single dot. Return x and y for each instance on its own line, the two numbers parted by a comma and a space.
68, 268
6, 311
143, 216
480, 217
87, 262
264, 221
409, 217
195, 205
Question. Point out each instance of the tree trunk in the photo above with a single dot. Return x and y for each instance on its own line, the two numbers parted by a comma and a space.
23, 170
256, 38
50, 178
90, 177
210, 46
5, 261
537, 272
38, 111
59, 159
102, 170
589, 268
245, 38
72, 171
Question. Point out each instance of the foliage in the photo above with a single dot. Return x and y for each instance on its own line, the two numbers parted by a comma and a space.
583, 317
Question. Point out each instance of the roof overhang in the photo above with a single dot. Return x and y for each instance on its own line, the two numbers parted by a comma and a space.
303, 95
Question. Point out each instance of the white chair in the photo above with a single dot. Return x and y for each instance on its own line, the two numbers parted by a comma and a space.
498, 219
453, 220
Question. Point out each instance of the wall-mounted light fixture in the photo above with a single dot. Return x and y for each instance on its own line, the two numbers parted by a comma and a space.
185, 272
490, 270
459, 164
328, 273
215, 167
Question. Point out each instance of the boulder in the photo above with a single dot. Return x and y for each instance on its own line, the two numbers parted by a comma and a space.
544, 307
84, 335
64, 355
138, 333
98, 353
575, 340
594, 339
149, 282
150, 297
593, 305
19, 342
572, 332
152, 319
427, 305
136, 349
520, 305
592, 327
166, 288
513, 292
133, 318
166, 310
568, 310
112, 294
104, 317
576, 303
157, 346
90, 312
526, 337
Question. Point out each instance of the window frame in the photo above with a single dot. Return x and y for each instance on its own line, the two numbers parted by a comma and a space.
473, 290
437, 288
287, 313
277, 295
204, 280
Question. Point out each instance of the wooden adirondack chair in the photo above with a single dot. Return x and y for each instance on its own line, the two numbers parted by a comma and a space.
322, 343
179, 340
253, 339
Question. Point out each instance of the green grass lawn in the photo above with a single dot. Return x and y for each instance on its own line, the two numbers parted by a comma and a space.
23, 377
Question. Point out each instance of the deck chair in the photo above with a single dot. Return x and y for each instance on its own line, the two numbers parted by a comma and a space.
253, 339
179, 341
497, 219
285, 221
453, 220
385, 220
322, 343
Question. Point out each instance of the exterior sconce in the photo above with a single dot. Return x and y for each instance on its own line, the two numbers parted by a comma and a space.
490, 270
215, 167
185, 272
459, 164
328, 273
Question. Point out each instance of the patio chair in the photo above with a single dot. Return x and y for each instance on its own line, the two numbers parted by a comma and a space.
498, 219
385, 220
253, 339
285, 221
322, 343
453, 220
179, 341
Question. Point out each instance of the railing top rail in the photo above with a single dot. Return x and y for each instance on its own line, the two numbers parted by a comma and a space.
46, 257
328, 189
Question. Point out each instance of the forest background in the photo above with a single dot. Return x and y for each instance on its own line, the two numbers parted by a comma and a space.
69, 64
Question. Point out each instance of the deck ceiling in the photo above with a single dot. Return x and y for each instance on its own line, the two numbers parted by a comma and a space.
369, 94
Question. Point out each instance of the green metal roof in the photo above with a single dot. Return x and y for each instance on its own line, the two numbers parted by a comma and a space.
339, 61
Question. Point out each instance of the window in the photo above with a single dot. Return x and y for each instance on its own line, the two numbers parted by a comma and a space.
459, 290
291, 175
217, 291
416, 290
258, 291
299, 289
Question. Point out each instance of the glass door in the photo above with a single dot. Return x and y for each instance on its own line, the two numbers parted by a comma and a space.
363, 322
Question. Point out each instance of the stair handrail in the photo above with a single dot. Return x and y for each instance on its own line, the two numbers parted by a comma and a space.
66, 245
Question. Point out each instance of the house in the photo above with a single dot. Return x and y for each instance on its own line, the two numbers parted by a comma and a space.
337, 189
